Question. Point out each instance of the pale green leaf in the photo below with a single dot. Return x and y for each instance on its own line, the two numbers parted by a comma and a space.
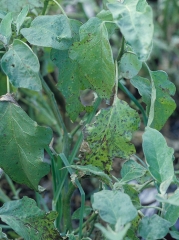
22, 144
17, 5
94, 55
29, 221
170, 213
136, 25
173, 200
87, 210
5, 29
158, 155
49, 31
174, 234
21, 17
131, 170
109, 136
129, 65
155, 227
113, 205
22, 67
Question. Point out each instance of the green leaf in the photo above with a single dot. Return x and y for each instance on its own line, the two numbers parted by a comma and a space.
136, 24
109, 136
174, 199
49, 31
163, 105
21, 17
2, 235
21, 65
22, 144
133, 194
174, 234
25, 218
131, 170
113, 205
170, 213
86, 212
158, 155
155, 227
17, 5
129, 65
5, 29
94, 55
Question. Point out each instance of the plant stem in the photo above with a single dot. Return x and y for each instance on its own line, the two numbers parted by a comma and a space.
121, 49
11, 184
142, 162
64, 13
8, 85
45, 6
146, 207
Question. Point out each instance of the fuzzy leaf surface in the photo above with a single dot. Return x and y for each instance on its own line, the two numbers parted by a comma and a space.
29, 221
136, 24
22, 144
109, 136
21, 17
170, 213
114, 205
5, 29
54, 32
158, 155
22, 67
173, 200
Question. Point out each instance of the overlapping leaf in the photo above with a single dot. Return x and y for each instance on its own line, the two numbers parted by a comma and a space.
30, 222
5, 29
134, 18
163, 104
170, 213
21, 65
109, 136
22, 144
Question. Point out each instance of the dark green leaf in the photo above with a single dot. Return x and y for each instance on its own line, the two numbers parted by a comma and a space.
5, 29
158, 155
86, 212
155, 227
109, 136
21, 17
49, 31
25, 218
114, 205
136, 24
21, 65
22, 144
2, 235
133, 194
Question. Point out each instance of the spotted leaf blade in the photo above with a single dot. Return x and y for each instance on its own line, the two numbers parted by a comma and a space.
29, 221
109, 136
22, 144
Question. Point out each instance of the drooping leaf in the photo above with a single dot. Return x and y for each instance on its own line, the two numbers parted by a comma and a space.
17, 5
21, 65
86, 212
109, 136
131, 170
154, 227
94, 55
21, 17
113, 205
163, 105
170, 213
136, 24
158, 155
49, 31
133, 194
29, 221
22, 144
129, 65
173, 200
5, 29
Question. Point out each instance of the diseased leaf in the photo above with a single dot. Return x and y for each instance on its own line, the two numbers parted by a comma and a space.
170, 213
17, 5
109, 136
22, 67
163, 105
21, 17
129, 65
154, 227
114, 205
158, 155
136, 24
94, 55
29, 221
5, 29
54, 32
22, 144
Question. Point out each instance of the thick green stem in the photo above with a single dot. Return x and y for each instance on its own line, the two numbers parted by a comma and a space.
8, 85
64, 13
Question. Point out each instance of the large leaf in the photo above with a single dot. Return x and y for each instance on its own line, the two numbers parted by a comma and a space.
17, 5
49, 31
25, 218
158, 155
134, 18
94, 55
163, 105
21, 65
5, 29
22, 144
114, 205
155, 227
109, 136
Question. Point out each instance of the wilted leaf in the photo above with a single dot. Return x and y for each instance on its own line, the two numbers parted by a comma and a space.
22, 144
